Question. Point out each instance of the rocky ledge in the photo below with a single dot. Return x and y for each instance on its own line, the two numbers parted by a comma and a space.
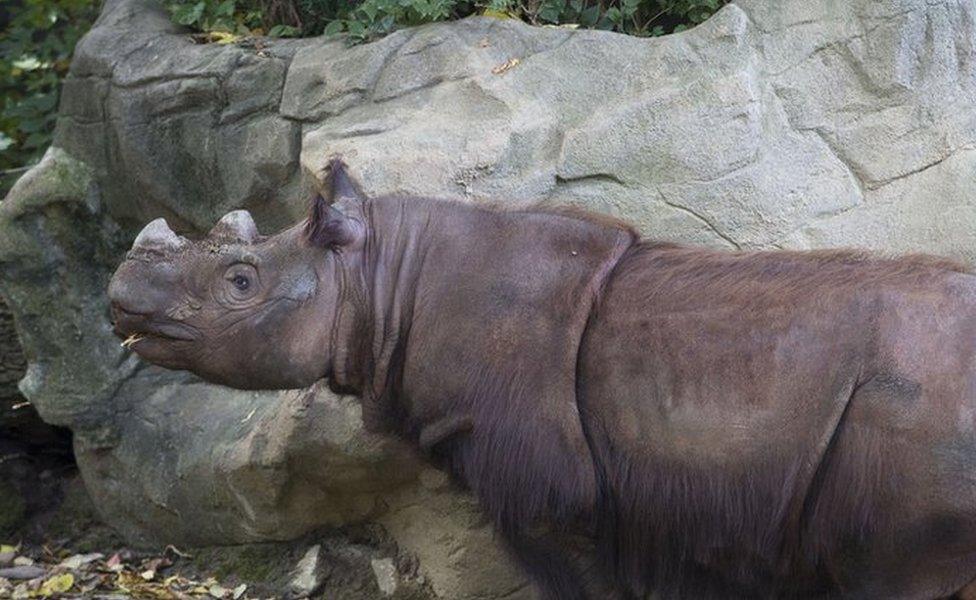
795, 124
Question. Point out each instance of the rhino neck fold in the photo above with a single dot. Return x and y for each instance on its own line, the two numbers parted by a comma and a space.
347, 371
475, 318
375, 307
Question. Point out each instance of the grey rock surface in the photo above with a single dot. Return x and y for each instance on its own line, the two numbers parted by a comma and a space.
776, 124
13, 365
20, 425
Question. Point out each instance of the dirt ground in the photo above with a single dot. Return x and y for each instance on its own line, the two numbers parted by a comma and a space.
53, 545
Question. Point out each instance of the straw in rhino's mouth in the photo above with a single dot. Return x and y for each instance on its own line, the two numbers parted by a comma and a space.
139, 336
132, 339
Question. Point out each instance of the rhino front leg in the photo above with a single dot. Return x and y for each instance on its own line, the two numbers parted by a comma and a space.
565, 567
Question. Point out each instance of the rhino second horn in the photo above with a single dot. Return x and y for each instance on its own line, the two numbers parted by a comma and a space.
237, 224
158, 236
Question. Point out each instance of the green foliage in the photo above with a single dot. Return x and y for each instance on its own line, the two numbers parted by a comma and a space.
37, 38
224, 16
364, 20
634, 17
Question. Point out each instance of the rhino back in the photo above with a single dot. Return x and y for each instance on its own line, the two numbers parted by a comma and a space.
749, 424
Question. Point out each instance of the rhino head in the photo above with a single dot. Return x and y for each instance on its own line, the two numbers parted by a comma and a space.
236, 307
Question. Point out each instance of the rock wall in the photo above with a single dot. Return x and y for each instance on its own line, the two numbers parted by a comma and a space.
777, 123
12, 367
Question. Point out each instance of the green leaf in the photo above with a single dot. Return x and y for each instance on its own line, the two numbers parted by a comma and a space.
355, 28
589, 16
370, 10
32, 125
190, 14
284, 31
333, 28
28, 63
225, 8
38, 140
551, 10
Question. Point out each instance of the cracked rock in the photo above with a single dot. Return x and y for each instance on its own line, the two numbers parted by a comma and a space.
777, 123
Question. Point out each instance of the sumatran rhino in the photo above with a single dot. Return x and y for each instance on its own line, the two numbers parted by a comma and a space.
637, 418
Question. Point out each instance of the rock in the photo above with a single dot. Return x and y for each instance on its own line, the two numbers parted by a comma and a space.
22, 572
774, 124
55, 246
13, 366
308, 577
7, 558
386, 575
12, 509
19, 420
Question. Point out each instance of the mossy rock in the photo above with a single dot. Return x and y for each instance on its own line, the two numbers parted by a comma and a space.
12, 509
77, 520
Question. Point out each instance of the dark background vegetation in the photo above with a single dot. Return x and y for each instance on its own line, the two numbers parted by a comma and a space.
38, 36
36, 41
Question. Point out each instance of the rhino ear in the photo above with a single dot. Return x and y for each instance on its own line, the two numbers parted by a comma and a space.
327, 227
339, 185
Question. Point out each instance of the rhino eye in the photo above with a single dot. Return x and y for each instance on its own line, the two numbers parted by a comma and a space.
242, 282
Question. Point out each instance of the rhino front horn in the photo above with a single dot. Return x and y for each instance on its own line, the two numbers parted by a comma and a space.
238, 225
158, 236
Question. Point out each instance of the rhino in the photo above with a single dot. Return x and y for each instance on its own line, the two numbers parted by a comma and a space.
636, 418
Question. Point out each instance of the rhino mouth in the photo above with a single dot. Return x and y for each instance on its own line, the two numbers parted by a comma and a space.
135, 327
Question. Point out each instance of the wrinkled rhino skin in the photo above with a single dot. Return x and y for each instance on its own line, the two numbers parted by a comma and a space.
713, 424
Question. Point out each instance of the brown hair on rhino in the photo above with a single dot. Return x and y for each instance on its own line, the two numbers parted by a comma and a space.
635, 417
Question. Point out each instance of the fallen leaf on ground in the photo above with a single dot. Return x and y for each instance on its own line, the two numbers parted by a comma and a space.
176, 551
508, 64
58, 584
22, 572
498, 14
77, 561
56, 573
222, 37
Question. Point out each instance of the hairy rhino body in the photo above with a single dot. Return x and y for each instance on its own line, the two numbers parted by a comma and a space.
634, 417
799, 423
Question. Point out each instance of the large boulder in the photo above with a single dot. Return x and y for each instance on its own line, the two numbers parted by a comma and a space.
13, 365
795, 124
